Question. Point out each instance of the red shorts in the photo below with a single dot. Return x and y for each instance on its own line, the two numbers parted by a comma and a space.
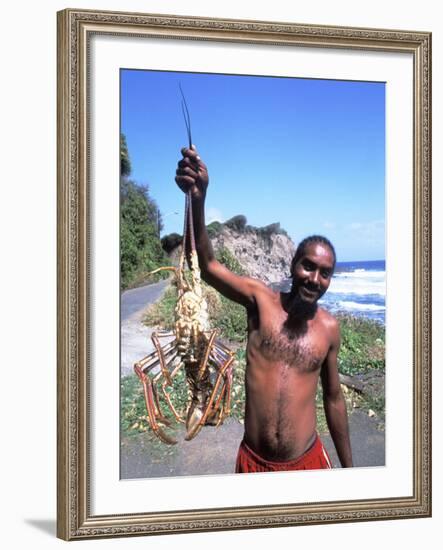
315, 458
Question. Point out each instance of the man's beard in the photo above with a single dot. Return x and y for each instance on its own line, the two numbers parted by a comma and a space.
299, 309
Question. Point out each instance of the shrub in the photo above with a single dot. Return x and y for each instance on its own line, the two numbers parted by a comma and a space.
237, 223
171, 241
362, 345
214, 229
140, 225
225, 257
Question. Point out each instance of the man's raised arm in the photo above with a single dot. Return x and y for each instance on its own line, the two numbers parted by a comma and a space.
192, 175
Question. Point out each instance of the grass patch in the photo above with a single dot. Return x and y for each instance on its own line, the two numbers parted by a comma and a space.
373, 406
133, 420
362, 345
161, 313
238, 393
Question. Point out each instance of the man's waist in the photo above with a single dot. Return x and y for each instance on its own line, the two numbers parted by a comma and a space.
280, 448
265, 456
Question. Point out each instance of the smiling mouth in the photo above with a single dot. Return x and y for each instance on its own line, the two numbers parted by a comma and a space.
309, 293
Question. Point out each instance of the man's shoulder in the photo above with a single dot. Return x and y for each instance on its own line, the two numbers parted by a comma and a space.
261, 293
263, 289
329, 322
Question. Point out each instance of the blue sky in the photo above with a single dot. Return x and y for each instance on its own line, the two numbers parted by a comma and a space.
307, 153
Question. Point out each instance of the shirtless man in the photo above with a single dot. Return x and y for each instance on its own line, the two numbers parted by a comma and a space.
291, 343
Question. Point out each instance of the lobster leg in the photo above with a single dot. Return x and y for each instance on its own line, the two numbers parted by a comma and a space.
200, 383
219, 355
159, 413
151, 408
221, 375
151, 360
227, 400
224, 408
161, 356
218, 358
142, 368
206, 356
164, 333
168, 398
170, 405
197, 426
225, 352
222, 404
218, 407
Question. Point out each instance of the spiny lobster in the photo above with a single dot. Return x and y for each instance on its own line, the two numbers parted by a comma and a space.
206, 361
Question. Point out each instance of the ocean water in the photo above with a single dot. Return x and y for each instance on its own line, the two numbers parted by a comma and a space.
357, 288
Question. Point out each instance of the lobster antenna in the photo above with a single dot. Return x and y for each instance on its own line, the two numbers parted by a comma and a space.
188, 207
186, 115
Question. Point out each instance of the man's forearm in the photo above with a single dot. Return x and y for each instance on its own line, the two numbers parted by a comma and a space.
337, 419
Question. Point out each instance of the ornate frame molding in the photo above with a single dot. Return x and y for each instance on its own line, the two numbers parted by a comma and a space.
75, 27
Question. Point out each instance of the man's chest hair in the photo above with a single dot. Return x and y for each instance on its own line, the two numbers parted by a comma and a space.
297, 350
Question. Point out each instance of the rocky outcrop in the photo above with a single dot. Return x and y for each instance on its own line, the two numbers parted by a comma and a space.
264, 253
265, 256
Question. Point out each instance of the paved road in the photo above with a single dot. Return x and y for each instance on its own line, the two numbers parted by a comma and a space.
136, 300
136, 337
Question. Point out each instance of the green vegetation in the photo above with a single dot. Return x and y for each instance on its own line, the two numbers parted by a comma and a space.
238, 386
140, 226
125, 161
225, 257
373, 403
237, 223
171, 241
214, 229
161, 313
362, 345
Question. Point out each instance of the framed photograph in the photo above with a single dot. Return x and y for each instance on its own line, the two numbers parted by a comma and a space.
304, 131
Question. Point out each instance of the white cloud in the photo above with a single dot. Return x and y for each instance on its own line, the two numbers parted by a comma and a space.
214, 215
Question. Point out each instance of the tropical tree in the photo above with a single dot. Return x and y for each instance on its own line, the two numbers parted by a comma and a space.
125, 162
140, 225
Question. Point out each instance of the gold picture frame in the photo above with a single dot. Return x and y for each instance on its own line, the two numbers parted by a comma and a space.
75, 30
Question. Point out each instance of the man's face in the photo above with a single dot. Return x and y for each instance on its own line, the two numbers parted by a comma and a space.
312, 273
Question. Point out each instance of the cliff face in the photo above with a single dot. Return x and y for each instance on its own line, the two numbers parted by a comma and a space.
265, 253
263, 256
